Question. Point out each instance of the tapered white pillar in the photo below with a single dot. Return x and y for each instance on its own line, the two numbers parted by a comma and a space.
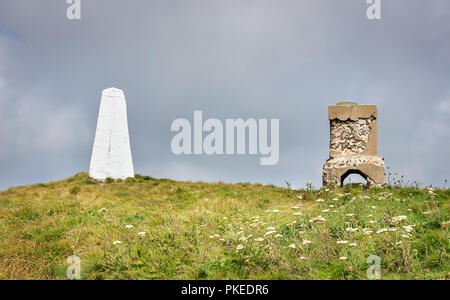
111, 154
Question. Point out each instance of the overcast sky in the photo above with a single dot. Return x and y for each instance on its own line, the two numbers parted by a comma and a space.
284, 59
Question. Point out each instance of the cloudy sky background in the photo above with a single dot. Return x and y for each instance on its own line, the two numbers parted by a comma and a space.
285, 59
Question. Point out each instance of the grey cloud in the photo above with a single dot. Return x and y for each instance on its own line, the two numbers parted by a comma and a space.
285, 59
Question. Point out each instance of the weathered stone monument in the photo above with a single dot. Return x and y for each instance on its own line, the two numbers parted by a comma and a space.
111, 154
353, 145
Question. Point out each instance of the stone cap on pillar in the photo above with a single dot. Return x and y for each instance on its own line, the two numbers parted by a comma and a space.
113, 92
351, 111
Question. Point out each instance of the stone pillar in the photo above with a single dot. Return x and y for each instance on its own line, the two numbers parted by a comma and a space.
111, 154
353, 145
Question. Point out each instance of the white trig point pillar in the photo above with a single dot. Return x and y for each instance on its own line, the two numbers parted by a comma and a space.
111, 154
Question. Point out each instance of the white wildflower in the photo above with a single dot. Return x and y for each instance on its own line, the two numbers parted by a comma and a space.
367, 231
409, 228
243, 239
398, 219
318, 218
342, 242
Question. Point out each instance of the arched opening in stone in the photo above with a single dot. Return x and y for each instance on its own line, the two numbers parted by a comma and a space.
354, 176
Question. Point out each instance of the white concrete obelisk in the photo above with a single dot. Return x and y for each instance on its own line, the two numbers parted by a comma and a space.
111, 154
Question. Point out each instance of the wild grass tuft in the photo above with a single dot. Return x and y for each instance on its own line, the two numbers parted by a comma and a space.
184, 230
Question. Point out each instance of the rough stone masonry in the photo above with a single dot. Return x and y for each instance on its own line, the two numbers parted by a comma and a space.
353, 145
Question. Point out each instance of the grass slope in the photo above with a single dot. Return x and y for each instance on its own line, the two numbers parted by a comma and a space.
221, 231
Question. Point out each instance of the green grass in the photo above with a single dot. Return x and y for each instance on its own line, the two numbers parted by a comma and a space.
219, 231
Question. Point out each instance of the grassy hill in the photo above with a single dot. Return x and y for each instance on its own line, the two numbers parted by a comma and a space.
184, 230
